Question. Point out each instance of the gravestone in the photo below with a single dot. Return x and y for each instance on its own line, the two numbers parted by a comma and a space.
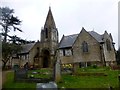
20, 74
48, 86
16, 67
57, 71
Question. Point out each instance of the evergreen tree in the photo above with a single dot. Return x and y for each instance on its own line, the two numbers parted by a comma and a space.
8, 21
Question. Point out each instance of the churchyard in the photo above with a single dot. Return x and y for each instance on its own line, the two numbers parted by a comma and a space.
90, 77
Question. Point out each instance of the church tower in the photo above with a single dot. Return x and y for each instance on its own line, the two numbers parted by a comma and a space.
49, 40
49, 32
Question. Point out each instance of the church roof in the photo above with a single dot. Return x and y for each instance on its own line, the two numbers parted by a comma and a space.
27, 47
68, 41
97, 36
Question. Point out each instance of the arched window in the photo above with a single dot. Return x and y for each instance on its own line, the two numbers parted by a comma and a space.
46, 32
85, 46
108, 45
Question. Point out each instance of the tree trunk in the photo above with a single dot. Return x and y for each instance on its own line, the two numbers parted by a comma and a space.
5, 34
4, 65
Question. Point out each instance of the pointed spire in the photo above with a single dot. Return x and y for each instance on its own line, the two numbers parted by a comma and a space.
49, 23
110, 35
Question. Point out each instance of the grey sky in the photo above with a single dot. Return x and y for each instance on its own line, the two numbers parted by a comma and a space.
69, 15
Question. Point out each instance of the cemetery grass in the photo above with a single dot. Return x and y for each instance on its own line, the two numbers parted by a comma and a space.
11, 84
41, 73
90, 80
16, 85
75, 81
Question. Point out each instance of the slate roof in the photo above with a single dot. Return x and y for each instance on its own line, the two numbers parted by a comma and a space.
97, 36
69, 40
27, 47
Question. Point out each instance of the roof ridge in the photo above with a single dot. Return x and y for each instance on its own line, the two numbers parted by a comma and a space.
71, 35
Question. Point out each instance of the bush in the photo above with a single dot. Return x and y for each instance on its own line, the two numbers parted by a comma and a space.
94, 66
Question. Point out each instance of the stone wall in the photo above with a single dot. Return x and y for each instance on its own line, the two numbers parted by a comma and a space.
109, 55
93, 53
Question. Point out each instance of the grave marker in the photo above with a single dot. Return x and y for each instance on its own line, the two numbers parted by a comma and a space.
20, 74
57, 72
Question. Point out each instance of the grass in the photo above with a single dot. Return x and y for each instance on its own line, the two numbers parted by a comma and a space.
11, 84
41, 73
75, 81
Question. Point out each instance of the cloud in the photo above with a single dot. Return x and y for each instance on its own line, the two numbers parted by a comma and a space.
70, 16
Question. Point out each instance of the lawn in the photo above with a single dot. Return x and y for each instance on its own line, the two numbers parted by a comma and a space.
11, 84
87, 80
41, 73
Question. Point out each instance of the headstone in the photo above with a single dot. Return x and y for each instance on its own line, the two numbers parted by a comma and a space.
57, 72
20, 74
16, 67
26, 66
44, 86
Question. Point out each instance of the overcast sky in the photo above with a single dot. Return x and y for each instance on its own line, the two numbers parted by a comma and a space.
69, 15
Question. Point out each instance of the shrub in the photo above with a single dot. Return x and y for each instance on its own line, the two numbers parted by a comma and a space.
94, 66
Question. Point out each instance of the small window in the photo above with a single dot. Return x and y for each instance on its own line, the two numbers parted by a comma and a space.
25, 57
46, 33
63, 52
108, 45
85, 46
72, 51
68, 52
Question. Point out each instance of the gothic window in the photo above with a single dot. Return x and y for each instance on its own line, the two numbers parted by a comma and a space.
85, 46
46, 33
37, 49
57, 33
108, 45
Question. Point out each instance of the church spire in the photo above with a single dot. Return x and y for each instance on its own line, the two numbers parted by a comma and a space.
49, 23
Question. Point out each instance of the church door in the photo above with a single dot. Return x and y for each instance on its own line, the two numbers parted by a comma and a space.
46, 58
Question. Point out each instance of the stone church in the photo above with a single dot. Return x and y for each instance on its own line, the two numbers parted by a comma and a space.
83, 49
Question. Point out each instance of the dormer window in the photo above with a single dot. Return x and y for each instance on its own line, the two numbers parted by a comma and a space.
85, 46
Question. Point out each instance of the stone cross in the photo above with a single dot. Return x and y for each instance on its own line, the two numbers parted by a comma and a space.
57, 72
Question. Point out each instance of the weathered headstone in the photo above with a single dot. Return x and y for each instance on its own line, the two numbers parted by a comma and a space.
57, 72
16, 67
46, 86
20, 74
